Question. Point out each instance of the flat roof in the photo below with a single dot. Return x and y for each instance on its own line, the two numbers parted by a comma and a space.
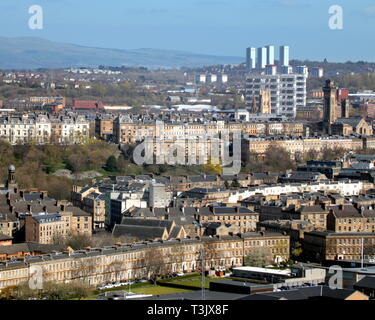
264, 270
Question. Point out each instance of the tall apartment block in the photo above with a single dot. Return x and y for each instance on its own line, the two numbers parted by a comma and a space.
284, 55
288, 91
261, 58
251, 58
270, 55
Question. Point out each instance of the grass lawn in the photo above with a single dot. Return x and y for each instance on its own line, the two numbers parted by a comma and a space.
195, 281
142, 288
155, 290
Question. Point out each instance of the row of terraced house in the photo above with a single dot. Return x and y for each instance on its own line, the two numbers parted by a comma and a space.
43, 129
134, 261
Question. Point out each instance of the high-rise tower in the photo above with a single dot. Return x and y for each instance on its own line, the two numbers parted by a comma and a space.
261, 58
284, 56
270, 54
251, 58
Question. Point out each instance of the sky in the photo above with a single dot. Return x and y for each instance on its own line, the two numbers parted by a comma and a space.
219, 27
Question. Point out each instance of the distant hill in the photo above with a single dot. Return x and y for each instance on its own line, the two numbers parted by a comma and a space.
33, 53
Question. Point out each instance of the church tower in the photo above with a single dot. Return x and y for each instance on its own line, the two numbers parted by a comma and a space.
254, 107
11, 183
330, 106
345, 108
265, 102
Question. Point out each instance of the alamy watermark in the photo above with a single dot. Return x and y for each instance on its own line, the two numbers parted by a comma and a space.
36, 20
336, 20
223, 149
36, 277
336, 280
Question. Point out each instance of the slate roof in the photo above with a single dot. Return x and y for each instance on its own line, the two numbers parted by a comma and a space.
354, 122
312, 209
7, 216
46, 218
207, 190
208, 178
77, 211
29, 247
365, 282
232, 210
140, 232
346, 211
4, 237
175, 232
302, 176
148, 223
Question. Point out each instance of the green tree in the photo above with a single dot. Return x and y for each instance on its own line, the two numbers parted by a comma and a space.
235, 184
297, 249
111, 164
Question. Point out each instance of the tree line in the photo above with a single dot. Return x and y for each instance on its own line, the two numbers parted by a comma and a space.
35, 164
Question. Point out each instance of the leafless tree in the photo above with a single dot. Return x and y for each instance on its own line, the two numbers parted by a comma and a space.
155, 264
116, 268
259, 257
83, 268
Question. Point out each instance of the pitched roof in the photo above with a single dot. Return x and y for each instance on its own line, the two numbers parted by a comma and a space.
4, 237
139, 232
346, 211
148, 223
312, 209
366, 282
175, 232
29, 247
368, 213
77, 211
354, 122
